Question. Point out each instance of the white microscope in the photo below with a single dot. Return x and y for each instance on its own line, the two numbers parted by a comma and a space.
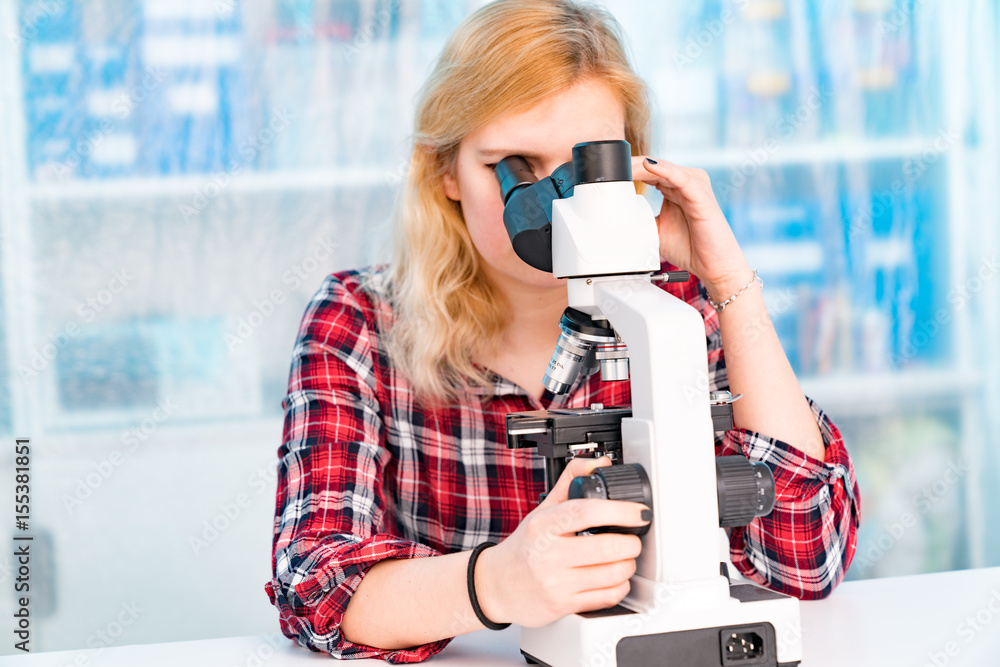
585, 223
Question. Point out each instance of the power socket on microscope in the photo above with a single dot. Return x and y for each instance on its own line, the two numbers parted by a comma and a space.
747, 645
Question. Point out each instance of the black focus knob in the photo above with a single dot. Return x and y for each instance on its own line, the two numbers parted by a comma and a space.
617, 482
746, 490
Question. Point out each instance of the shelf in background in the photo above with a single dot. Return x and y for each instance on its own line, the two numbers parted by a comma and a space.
319, 179
214, 184
862, 392
189, 435
789, 152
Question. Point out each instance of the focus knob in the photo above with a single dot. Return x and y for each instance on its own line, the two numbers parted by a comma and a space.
617, 482
746, 490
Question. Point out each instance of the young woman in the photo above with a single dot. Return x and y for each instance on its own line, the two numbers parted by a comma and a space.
394, 465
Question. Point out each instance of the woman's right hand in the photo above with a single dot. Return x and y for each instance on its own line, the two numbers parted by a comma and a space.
544, 571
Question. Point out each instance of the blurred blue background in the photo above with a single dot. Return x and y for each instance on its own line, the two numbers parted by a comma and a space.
178, 176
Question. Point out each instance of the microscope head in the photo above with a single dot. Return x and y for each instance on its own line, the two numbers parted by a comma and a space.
583, 220
610, 229
527, 212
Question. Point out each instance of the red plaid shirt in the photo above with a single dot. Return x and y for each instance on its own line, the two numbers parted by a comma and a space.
366, 473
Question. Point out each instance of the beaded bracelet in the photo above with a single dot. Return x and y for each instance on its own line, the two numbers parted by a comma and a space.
721, 306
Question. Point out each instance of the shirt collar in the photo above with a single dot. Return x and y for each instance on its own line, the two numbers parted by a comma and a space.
501, 386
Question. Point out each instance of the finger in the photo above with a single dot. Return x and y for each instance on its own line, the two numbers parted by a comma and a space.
573, 516
672, 172
605, 575
582, 551
574, 468
673, 195
672, 226
601, 599
685, 180
696, 211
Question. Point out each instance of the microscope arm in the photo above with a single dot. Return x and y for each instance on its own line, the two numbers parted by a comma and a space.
670, 432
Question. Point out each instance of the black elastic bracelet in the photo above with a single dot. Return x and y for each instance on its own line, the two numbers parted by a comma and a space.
472, 589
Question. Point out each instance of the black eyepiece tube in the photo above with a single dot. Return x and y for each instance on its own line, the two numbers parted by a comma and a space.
602, 161
513, 172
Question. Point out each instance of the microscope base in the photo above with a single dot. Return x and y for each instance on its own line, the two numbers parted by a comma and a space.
762, 630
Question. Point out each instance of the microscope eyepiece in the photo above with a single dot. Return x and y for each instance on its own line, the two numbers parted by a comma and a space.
602, 161
527, 207
513, 172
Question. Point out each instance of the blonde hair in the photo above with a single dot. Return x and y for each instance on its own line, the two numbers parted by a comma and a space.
505, 57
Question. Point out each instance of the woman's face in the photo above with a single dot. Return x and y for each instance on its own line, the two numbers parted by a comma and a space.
544, 135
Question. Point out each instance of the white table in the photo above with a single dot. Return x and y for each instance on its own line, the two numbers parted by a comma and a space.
950, 619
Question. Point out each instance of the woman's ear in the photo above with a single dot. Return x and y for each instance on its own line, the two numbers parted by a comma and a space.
451, 185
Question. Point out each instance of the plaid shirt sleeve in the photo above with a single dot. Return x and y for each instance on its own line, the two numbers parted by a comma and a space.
804, 547
333, 520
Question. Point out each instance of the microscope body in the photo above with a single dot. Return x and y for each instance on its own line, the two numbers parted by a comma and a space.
683, 608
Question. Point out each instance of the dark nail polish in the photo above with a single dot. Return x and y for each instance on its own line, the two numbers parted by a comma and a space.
651, 161
646, 515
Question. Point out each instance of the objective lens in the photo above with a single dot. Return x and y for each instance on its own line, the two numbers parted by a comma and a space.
579, 335
614, 362
565, 364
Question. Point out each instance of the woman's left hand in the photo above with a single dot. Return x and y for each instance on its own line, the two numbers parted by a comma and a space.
694, 234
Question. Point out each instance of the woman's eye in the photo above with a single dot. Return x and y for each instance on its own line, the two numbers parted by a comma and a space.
492, 167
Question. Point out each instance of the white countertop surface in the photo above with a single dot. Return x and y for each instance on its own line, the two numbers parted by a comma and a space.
950, 619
